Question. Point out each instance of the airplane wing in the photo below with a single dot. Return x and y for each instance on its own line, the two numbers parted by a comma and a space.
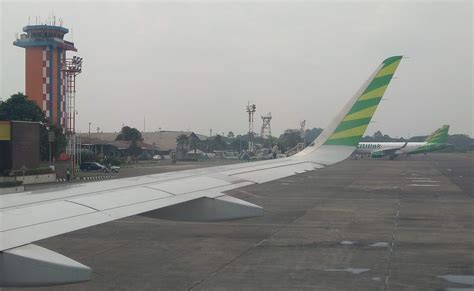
196, 195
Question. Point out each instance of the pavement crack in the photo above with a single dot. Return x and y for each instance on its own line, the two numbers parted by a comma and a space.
392, 244
243, 253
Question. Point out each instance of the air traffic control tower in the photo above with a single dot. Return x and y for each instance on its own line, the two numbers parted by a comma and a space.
46, 71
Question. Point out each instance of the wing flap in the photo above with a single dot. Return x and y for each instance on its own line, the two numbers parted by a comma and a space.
208, 209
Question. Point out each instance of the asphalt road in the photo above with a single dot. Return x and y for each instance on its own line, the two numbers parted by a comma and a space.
358, 225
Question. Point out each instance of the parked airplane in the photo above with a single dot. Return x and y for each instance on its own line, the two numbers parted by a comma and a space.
435, 142
191, 195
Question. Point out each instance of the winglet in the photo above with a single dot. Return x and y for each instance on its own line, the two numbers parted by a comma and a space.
348, 127
351, 128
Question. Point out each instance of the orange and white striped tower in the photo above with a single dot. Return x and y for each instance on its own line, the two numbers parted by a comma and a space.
45, 77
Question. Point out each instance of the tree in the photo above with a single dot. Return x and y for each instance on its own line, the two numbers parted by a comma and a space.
57, 147
312, 134
182, 142
460, 143
18, 107
289, 139
129, 133
217, 143
134, 150
230, 134
194, 143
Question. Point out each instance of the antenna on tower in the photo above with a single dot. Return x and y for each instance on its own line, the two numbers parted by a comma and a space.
251, 108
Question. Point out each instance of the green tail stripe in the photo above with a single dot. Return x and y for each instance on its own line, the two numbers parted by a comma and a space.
391, 60
439, 136
352, 127
347, 141
351, 124
361, 105
378, 82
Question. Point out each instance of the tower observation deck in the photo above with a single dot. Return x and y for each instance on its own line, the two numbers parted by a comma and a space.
46, 81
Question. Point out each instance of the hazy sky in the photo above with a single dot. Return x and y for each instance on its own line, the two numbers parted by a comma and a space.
195, 65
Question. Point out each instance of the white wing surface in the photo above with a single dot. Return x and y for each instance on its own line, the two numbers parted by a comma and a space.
196, 195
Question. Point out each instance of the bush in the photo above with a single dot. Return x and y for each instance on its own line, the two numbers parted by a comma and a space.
10, 184
37, 171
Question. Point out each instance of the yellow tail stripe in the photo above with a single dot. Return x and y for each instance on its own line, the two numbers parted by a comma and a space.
368, 112
374, 93
388, 70
356, 131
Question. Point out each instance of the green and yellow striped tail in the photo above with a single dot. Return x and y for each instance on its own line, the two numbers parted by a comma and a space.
439, 136
352, 127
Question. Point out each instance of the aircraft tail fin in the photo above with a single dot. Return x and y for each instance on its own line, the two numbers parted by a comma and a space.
439, 136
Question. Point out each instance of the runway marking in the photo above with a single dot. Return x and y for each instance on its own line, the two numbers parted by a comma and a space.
348, 242
460, 279
426, 181
424, 185
380, 244
356, 271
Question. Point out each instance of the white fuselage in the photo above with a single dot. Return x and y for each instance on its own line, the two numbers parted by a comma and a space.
369, 147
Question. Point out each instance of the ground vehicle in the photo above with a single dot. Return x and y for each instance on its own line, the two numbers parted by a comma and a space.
93, 166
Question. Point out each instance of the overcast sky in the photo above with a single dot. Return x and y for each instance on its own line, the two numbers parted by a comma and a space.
195, 65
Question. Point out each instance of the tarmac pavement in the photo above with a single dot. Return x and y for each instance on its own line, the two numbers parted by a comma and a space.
358, 225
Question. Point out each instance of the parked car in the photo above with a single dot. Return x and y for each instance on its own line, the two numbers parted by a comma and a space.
93, 166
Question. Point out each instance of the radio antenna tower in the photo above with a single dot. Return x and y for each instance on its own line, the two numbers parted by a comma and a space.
266, 130
71, 68
303, 131
251, 108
